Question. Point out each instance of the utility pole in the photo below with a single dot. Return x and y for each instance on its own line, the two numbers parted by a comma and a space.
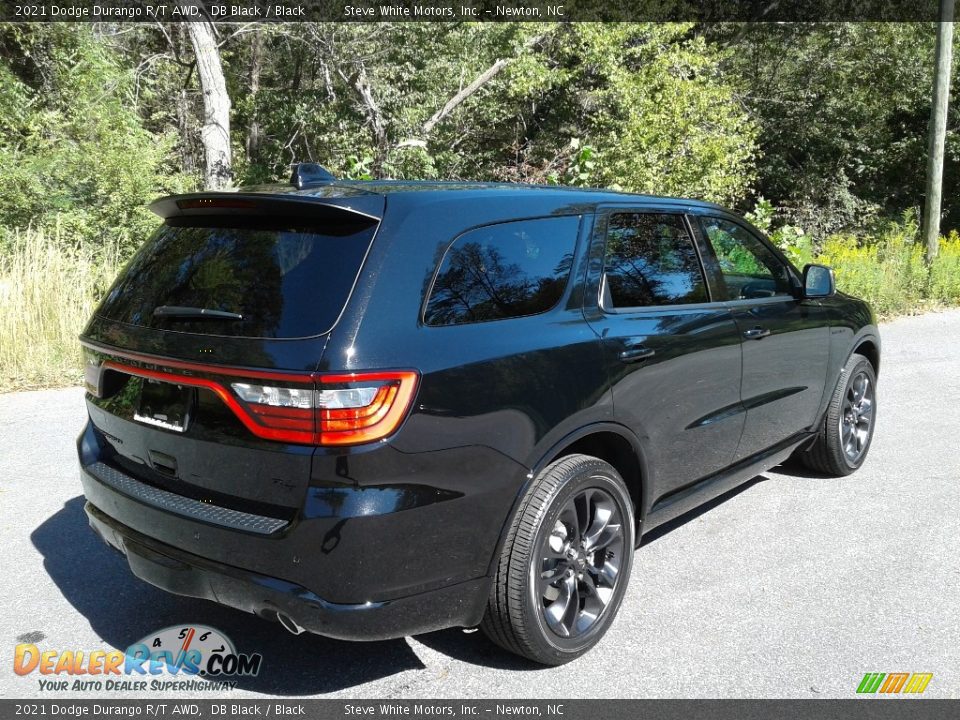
938, 131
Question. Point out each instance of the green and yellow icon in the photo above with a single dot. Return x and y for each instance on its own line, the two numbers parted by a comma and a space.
891, 683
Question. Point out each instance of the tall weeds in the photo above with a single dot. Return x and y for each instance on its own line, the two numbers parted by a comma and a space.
47, 294
889, 271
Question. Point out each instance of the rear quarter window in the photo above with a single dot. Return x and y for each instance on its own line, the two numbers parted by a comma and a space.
508, 270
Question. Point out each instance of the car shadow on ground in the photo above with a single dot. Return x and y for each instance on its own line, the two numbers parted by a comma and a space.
795, 468
681, 520
122, 609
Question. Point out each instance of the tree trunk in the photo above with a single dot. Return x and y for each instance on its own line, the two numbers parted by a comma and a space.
377, 123
216, 104
187, 161
256, 67
183, 121
938, 131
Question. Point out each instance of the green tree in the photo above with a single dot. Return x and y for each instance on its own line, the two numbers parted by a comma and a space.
842, 110
74, 152
650, 99
503, 102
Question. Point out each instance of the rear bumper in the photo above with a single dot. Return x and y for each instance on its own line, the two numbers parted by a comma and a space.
182, 573
375, 557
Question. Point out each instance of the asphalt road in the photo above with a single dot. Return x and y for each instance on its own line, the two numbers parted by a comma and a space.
795, 586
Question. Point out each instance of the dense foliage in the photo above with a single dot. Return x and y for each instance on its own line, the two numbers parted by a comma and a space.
642, 107
843, 111
75, 151
818, 130
827, 121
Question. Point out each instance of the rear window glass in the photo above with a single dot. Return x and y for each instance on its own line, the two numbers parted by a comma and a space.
283, 282
503, 271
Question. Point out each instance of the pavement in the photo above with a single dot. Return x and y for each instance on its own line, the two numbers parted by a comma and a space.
792, 586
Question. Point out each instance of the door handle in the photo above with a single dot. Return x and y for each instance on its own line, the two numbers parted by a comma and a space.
756, 333
636, 354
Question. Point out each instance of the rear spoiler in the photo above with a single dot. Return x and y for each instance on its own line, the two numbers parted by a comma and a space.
359, 206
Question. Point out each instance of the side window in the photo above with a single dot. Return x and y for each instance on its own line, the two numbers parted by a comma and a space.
651, 260
503, 271
749, 268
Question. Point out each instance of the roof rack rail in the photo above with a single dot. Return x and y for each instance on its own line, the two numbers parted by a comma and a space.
308, 173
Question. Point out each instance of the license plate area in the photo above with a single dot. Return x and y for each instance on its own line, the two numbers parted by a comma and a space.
165, 405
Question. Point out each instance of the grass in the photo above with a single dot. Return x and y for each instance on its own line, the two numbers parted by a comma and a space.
47, 294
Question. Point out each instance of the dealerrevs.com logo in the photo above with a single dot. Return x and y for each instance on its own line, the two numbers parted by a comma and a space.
169, 660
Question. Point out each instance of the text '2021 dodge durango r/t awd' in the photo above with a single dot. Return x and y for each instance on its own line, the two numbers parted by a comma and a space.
375, 409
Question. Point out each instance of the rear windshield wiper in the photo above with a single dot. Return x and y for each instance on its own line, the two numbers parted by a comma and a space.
176, 312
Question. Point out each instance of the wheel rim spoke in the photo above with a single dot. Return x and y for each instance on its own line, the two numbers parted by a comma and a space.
595, 600
609, 570
603, 529
562, 613
569, 517
583, 507
610, 534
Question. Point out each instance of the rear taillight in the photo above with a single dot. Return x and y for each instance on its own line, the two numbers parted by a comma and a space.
310, 409
337, 409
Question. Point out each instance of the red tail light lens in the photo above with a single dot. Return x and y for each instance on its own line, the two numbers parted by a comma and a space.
315, 409
363, 407
338, 410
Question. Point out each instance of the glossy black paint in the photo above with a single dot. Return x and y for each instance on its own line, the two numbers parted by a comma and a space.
193, 576
676, 397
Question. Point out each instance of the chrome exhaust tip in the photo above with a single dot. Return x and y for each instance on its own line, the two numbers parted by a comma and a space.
289, 623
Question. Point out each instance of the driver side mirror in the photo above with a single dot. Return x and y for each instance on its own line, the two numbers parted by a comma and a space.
818, 281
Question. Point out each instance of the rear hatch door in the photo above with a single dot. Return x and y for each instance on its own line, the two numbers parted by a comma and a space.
233, 295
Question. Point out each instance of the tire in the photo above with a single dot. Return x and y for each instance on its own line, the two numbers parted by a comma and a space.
560, 554
844, 439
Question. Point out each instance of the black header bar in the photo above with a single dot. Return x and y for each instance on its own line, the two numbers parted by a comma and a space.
234, 11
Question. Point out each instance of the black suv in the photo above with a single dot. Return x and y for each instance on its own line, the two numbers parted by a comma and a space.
376, 409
